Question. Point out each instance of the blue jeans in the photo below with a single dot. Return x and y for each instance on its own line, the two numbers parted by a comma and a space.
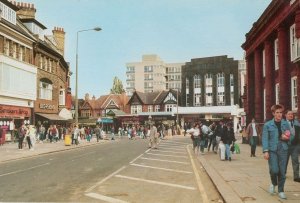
227, 151
277, 166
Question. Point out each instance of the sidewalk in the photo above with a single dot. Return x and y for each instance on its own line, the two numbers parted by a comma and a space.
245, 178
9, 151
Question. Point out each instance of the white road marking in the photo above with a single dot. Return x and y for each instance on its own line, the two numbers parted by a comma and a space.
175, 144
172, 148
198, 180
163, 160
177, 147
165, 169
171, 152
136, 158
156, 182
183, 143
105, 198
23, 170
167, 155
105, 179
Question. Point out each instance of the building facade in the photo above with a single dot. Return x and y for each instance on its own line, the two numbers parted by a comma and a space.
152, 74
17, 71
210, 81
34, 77
272, 58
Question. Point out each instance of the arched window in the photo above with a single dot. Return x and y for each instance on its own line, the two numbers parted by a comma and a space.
46, 89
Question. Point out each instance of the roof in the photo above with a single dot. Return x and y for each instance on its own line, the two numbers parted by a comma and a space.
33, 20
154, 98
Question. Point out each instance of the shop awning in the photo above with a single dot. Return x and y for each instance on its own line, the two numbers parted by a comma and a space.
105, 120
52, 117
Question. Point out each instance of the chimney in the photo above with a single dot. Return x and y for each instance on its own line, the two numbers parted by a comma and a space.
26, 10
59, 36
87, 97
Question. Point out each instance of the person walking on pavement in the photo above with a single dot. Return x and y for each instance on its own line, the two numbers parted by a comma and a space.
275, 137
76, 135
228, 139
97, 131
253, 133
294, 148
153, 137
22, 133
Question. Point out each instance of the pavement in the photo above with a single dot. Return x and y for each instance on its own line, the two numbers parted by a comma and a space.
244, 179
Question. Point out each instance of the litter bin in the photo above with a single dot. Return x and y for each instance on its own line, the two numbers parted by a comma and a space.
68, 140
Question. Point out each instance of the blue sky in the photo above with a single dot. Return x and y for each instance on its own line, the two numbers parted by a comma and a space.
176, 30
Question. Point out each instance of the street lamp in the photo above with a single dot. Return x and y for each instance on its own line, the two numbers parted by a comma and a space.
76, 82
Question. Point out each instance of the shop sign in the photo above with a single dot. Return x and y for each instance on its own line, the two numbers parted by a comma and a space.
11, 111
47, 106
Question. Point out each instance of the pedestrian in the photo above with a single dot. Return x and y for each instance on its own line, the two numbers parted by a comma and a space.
228, 139
195, 136
153, 137
97, 131
253, 135
212, 137
21, 132
76, 135
28, 137
294, 147
275, 138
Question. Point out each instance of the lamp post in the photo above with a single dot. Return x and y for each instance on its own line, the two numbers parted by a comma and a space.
177, 117
76, 82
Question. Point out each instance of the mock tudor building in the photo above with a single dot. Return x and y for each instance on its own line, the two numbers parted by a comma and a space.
272, 58
157, 106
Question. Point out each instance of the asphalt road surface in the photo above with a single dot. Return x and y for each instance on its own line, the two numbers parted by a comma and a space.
117, 171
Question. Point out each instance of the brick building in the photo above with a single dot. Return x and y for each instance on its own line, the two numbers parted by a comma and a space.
272, 58
34, 77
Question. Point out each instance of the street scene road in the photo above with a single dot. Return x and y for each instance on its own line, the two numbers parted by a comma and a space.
117, 171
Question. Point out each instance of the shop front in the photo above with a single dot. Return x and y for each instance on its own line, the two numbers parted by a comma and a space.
11, 118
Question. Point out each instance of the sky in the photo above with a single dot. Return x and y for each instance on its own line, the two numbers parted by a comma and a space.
176, 30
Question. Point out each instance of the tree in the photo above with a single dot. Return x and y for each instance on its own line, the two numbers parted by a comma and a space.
117, 87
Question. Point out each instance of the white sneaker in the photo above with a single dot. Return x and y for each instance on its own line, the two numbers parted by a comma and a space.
272, 189
282, 195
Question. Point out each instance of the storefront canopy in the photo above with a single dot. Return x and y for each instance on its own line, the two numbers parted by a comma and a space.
52, 117
105, 120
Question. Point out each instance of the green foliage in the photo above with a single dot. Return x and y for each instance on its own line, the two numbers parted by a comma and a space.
117, 86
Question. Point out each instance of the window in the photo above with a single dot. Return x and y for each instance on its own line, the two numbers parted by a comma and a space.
157, 108
208, 90
130, 69
169, 107
62, 97
46, 90
197, 90
277, 93
150, 108
136, 109
148, 68
187, 89
276, 54
220, 89
264, 63
231, 89
295, 46
8, 14
148, 76
264, 105
294, 93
